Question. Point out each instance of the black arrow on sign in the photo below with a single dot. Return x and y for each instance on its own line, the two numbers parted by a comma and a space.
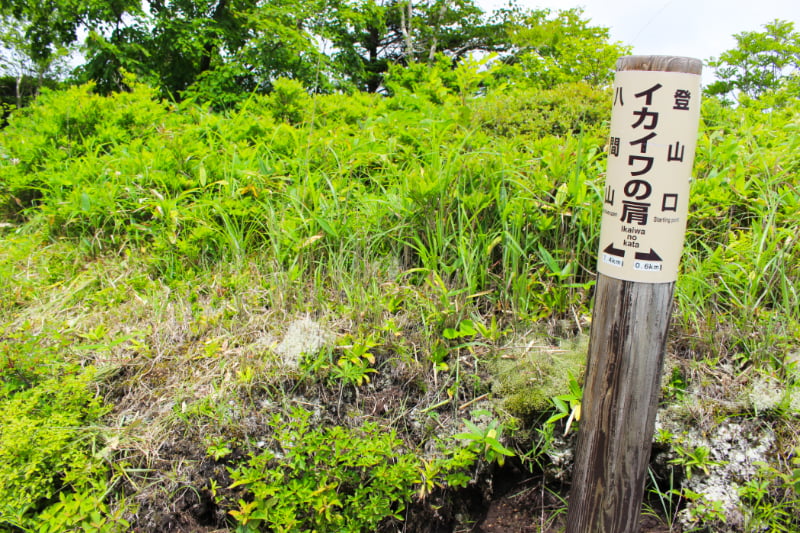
610, 250
652, 256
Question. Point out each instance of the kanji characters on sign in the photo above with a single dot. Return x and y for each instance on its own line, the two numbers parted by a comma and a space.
650, 152
682, 97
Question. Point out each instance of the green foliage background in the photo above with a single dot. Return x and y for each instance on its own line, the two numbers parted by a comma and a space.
469, 197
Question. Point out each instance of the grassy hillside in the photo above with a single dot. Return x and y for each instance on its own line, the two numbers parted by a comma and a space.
359, 313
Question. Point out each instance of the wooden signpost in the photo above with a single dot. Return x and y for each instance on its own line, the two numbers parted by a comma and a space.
651, 151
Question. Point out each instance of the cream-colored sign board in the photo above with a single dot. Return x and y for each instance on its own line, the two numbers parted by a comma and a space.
651, 149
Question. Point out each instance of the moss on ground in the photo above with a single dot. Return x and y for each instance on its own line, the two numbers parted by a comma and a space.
531, 371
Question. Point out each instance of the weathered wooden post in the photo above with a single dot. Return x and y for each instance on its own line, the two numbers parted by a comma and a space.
651, 151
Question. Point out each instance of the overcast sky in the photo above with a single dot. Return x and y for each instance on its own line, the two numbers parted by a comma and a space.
693, 28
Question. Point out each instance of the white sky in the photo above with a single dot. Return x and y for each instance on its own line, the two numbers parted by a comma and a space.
693, 28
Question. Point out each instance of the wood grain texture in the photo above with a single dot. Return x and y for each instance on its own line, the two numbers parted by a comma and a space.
660, 64
623, 377
620, 395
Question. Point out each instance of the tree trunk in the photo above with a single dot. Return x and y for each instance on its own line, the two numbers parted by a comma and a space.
209, 47
18, 90
405, 27
437, 29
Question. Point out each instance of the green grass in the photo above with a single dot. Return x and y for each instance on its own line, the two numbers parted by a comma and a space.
154, 255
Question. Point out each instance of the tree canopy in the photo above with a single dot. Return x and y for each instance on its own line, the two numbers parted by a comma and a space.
761, 61
219, 50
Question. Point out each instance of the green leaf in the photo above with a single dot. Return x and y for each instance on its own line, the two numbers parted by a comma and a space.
468, 436
466, 328
555, 417
499, 448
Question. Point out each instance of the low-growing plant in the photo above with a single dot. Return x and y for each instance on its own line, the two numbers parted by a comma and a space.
325, 479
84, 510
27, 358
568, 405
452, 469
668, 497
704, 513
47, 453
353, 368
693, 459
218, 448
486, 441
770, 500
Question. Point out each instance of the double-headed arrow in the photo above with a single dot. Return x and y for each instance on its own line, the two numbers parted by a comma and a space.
620, 252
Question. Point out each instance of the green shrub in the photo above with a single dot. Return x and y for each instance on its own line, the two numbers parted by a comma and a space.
325, 479
288, 100
567, 109
47, 446
44, 142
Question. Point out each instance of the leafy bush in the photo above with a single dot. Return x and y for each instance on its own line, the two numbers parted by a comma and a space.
332, 479
28, 87
288, 100
400, 214
46, 447
66, 128
562, 110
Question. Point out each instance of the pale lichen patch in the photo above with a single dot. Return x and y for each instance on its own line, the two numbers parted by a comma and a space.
303, 337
